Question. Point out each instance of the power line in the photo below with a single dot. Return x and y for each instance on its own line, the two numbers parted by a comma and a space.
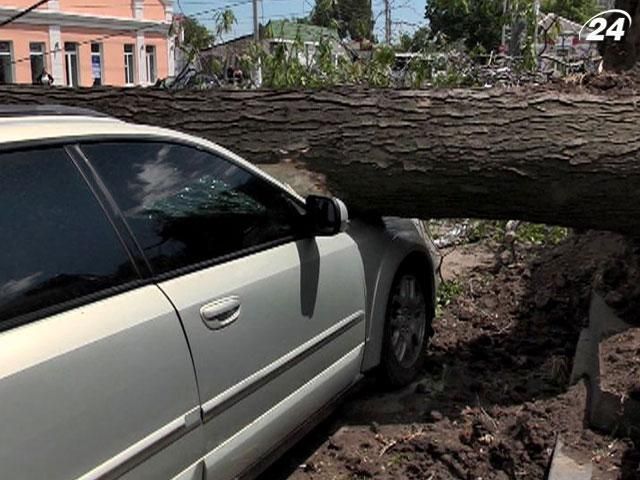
22, 13
218, 9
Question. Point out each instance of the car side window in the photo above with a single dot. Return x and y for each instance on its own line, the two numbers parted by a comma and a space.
186, 206
57, 244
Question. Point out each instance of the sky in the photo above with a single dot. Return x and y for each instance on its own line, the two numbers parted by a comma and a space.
406, 15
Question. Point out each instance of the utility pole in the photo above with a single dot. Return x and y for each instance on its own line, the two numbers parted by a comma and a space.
256, 22
257, 78
503, 40
536, 10
387, 22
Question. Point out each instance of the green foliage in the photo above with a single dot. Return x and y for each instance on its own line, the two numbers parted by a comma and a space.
532, 233
527, 14
420, 41
486, 229
377, 71
435, 61
224, 22
577, 10
196, 37
475, 22
286, 66
541, 234
350, 17
215, 67
447, 292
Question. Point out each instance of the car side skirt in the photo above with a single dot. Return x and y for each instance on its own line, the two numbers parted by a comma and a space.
239, 453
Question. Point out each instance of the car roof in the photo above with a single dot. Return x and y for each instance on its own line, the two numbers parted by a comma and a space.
42, 127
21, 110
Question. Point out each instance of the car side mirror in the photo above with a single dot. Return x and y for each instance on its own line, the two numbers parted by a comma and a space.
326, 216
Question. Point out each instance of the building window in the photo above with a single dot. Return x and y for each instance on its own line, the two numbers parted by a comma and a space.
150, 55
96, 63
129, 66
6, 63
309, 53
36, 54
71, 63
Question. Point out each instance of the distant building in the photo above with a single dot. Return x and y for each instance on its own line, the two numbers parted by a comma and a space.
274, 34
84, 43
285, 32
560, 43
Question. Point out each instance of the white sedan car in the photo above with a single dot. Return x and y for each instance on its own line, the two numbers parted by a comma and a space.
167, 310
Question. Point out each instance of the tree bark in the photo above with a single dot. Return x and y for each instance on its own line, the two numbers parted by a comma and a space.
560, 158
623, 55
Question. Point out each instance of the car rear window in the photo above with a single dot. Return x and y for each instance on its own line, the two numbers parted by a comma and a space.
57, 244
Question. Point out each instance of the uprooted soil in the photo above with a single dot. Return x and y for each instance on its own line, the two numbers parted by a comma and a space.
494, 394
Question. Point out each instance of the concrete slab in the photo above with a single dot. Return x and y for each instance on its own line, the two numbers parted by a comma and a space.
606, 411
565, 468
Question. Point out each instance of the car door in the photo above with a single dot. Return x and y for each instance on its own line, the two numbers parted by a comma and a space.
96, 380
274, 320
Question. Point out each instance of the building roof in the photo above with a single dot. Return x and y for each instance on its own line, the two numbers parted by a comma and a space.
288, 30
565, 25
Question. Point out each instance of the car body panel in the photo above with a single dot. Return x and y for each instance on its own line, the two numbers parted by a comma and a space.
384, 246
301, 309
57, 375
248, 445
311, 320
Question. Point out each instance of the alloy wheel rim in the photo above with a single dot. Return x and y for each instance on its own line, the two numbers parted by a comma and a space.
407, 320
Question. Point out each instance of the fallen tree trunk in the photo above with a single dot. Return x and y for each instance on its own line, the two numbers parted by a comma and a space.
623, 55
560, 158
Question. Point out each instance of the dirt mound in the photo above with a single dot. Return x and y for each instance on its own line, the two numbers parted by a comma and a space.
618, 279
564, 275
607, 81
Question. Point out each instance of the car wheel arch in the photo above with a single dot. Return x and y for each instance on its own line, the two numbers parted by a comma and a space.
384, 281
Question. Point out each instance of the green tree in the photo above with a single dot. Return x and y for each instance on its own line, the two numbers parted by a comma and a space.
478, 23
421, 40
196, 37
224, 22
350, 17
577, 10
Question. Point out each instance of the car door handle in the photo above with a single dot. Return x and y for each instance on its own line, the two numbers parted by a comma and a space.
221, 313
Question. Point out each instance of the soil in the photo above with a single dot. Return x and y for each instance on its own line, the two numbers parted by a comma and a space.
620, 364
494, 393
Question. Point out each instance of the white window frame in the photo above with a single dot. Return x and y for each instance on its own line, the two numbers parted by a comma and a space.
68, 64
129, 68
151, 63
35, 76
100, 58
310, 50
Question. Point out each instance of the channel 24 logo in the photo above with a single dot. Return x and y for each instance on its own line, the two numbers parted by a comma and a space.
600, 23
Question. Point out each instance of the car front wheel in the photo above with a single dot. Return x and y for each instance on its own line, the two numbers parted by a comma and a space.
405, 333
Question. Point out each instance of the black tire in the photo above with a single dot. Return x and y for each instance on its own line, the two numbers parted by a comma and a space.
395, 372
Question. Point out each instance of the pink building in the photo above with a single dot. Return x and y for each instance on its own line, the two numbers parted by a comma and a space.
87, 42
